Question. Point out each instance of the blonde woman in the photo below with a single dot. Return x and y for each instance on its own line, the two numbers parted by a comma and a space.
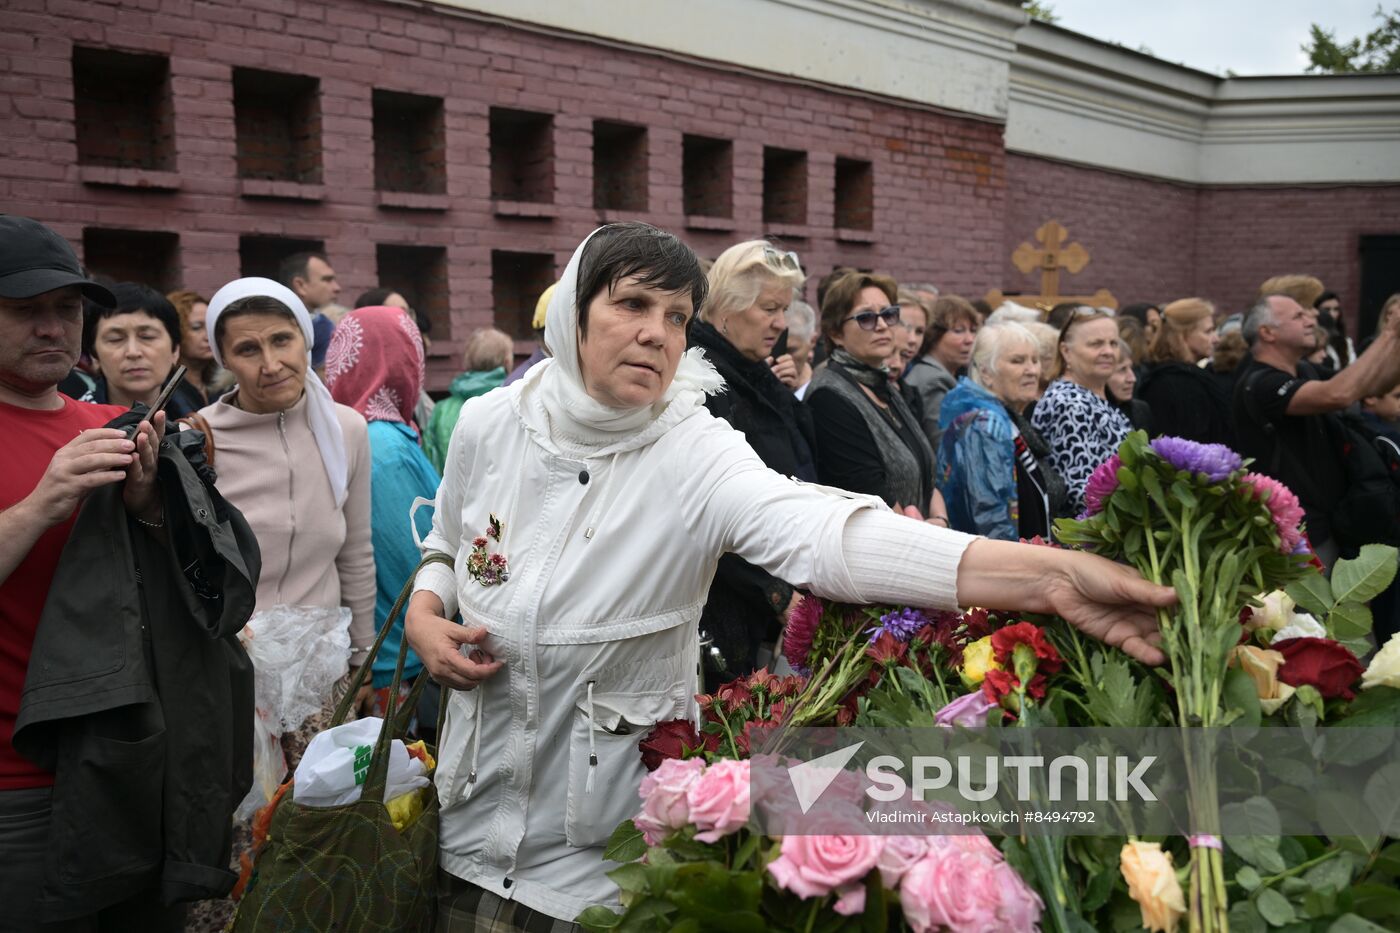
751, 287
1185, 400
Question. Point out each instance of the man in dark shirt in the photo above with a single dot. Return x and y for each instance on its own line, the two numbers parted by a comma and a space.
1280, 404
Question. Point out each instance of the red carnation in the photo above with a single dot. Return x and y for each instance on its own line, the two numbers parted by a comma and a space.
674, 738
1321, 663
998, 684
1005, 640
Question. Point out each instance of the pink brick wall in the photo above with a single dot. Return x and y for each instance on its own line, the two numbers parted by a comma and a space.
1154, 241
939, 190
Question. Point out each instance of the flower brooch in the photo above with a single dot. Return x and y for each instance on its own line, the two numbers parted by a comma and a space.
484, 567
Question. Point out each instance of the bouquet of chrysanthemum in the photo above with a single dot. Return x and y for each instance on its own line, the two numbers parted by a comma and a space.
1190, 516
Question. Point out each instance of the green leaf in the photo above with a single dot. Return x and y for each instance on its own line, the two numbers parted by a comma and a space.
1349, 621
1382, 799
1366, 576
626, 843
631, 877
1241, 695
1332, 875
1312, 593
1275, 908
1351, 923
1377, 902
1244, 918
1259, 851
1248, 878
597, 919
1388, 861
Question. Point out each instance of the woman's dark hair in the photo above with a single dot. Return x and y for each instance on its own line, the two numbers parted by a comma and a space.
1337, 330
948, 311
657, 258
373, 298
253, 304
131, 297
1138, 312
841, 294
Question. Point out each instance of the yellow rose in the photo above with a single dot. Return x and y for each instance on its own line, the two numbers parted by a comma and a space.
978, 658
1262, 664
1384, 669
1153, 884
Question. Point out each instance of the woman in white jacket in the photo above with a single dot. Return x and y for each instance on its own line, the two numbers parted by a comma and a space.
586, 507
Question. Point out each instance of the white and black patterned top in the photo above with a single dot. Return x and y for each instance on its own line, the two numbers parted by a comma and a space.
1083, 431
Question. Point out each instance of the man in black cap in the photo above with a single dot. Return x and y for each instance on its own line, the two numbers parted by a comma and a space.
55, 452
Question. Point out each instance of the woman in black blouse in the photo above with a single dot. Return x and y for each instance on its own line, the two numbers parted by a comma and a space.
868, 439
1185, 400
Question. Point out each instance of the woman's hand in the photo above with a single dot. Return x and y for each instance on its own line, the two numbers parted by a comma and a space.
1107, 601
785, 369
438, 642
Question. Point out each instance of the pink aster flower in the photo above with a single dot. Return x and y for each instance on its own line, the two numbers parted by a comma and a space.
1102, 483
1283, 508
802, 626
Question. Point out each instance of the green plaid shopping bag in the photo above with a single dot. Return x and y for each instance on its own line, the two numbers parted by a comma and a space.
347, 868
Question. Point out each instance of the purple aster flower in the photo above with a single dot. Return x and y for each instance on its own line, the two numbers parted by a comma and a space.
1102, 482
1216, 461
902, 624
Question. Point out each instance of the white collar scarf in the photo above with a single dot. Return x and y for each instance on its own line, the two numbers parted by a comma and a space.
320, 407
556, 404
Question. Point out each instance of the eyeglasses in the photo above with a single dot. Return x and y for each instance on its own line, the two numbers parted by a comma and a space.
867, 320
783, 261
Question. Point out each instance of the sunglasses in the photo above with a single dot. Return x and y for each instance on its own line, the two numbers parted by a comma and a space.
782, 260
867, 320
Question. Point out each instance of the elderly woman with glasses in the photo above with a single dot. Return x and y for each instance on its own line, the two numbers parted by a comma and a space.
868, 438
1083, 427
751, 286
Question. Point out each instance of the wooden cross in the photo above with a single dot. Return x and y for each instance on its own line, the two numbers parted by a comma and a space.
1050, 259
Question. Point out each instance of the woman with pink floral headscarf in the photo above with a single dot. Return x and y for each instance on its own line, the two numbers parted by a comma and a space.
375, 365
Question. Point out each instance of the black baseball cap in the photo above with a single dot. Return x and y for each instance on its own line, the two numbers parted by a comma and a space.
34, 260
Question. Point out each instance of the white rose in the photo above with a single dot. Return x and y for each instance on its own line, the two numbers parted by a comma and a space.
1384, 669
1276, 612
1302, 626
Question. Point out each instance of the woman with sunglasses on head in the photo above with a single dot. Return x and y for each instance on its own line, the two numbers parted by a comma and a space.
1083, 427
751, 285
868, 438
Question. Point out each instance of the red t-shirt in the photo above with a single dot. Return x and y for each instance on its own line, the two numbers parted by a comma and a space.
30, 440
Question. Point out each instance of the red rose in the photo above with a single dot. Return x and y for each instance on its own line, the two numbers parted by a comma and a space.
673, 738
1321, 663
1005, 640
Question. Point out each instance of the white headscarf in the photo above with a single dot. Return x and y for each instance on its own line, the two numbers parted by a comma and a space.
320, 407
555, 385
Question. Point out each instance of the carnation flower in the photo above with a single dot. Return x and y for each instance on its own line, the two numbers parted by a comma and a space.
978, 659
901, 623
803, 622
1216, 461
1102, 483
1283, 508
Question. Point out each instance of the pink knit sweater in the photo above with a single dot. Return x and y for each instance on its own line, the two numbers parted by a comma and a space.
313, 554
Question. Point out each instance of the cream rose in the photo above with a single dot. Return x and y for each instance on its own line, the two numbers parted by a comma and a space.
1153, 884
1276, 612
1262, 664
1384, 669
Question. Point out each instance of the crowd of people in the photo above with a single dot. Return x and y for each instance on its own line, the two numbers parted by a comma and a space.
690, 447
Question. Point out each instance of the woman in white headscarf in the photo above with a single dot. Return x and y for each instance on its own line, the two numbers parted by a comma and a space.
296, 463
586, 508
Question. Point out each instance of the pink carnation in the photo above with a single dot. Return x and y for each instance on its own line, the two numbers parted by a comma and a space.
815, 866
1102, 483
665, 804
1283, 507
719, 800
966, 886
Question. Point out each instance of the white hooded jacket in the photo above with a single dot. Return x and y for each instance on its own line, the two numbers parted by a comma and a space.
611, 546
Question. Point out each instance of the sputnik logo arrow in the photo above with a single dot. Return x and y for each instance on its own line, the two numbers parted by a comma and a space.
811, 778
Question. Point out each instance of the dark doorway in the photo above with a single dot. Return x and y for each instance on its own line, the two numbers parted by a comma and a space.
1380, 277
